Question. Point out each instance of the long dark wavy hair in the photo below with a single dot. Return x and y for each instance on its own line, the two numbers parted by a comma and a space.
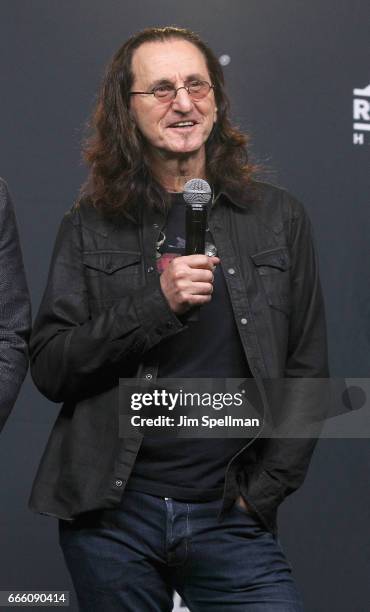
120, 176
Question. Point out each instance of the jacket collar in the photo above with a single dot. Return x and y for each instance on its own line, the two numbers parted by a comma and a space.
242, 197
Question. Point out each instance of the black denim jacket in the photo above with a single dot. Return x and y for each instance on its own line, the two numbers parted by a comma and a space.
103, 310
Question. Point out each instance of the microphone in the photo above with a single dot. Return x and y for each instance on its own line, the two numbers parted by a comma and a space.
197, 194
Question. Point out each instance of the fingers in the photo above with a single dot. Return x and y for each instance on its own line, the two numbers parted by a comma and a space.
180, 269
196, 267
200, 261
198, 300
201, 276
200, 289
186, 287
188, 281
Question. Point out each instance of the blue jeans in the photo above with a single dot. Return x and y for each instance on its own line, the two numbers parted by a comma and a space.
132, 558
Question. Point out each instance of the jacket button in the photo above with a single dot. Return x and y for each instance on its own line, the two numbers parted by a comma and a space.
169, 325
149, 376
231, 271
118, 483
150, 269
243, 321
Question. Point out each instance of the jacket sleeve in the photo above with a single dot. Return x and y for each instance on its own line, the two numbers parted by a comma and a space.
284, 459
15, 315
76, 355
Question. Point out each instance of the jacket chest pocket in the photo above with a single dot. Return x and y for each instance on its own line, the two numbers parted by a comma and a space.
112, 274
273, 268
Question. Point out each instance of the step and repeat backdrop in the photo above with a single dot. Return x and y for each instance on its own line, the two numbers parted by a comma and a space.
298, 76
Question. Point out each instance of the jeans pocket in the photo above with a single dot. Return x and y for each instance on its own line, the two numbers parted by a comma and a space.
237, 505
252, 517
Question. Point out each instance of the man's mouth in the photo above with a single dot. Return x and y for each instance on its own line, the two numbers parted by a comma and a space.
183, 124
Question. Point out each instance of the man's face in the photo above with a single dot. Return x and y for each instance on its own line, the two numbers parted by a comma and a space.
177, 62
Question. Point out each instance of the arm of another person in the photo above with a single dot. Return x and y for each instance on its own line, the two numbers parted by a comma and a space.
15, 311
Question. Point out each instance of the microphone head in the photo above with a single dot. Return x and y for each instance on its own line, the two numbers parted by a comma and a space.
197, 191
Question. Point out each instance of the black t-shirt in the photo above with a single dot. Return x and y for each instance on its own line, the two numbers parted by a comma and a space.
210, 347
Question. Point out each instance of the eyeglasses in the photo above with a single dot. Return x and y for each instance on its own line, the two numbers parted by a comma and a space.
167, 92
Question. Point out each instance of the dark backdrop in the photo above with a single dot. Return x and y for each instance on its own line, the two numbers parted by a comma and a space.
293, 68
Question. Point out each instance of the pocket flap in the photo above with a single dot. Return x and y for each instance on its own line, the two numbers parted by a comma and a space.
275, 258
110, 261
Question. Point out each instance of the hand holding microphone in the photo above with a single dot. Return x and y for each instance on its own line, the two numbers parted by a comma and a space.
188, 280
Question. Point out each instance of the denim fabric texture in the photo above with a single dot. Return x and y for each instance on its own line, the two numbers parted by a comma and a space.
132, 558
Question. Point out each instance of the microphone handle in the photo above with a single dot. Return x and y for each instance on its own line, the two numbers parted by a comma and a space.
195, 227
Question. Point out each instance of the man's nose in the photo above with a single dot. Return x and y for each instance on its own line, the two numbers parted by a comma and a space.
183, 101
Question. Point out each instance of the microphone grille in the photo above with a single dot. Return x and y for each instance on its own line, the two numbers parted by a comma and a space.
197, 191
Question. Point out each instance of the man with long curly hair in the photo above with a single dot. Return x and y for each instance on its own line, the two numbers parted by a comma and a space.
141, 515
